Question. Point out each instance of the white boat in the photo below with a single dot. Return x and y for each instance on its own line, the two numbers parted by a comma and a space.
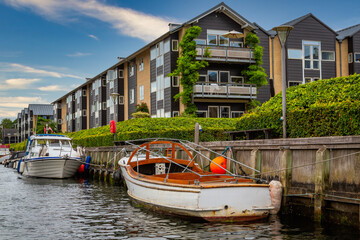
50, 156
181, 187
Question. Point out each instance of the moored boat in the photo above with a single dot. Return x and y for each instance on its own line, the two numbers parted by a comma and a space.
180, 187
49, 156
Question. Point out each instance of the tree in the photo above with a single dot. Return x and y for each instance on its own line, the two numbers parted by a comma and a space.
188, 68
6, 123
255, 73
41, 123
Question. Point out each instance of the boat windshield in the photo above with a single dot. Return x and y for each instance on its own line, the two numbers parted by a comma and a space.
40, 142
65, 143
54, 142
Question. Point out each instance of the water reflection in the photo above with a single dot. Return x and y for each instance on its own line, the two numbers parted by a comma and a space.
81, 209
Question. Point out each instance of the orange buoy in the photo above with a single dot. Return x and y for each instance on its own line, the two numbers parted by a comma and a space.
215, 168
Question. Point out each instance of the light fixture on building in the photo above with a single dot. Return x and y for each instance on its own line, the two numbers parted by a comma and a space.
283, 33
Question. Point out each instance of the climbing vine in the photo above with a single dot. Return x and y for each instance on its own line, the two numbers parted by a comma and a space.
255, 73
188, 68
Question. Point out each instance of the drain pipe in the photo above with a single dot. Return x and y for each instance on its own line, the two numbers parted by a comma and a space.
340, 41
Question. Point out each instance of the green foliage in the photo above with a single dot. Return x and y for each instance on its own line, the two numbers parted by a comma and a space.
140, 115
252, 105
41, 123
179, 127
255, 74
142, 107
188, 68
322, 108
19, 146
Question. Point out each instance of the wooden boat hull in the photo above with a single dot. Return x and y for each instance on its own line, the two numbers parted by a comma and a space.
226, 202
51, 167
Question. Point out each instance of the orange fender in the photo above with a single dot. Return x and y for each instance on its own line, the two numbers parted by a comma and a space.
215, 168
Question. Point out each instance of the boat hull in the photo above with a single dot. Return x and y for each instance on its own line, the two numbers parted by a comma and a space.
222, 202
51, 167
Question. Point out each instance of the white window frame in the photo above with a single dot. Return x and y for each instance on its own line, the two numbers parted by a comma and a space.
175, 113
217, 107
175, 83
328, 60
231, 114
132, 96
228, 107
141, 92
355, 53
59, 121
203, 111
175, 45
153, 87
206, 77
241, 77
312, 44
132, 70
295, 82
350, 58
239, 42
312, 79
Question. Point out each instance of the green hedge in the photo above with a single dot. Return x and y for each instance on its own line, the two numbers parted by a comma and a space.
322, 108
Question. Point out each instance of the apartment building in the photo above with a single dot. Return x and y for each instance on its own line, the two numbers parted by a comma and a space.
313, 51
27, 119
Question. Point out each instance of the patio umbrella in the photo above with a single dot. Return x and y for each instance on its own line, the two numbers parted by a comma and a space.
233, 34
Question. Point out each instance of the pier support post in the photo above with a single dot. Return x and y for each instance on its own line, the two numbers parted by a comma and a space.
322, 169
285, 175
255, 159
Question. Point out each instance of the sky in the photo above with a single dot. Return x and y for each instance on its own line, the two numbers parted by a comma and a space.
49, 47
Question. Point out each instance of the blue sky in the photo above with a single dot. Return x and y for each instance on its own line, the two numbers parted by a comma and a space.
48, 47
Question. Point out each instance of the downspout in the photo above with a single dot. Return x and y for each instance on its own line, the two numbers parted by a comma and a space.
340, 41
272, 56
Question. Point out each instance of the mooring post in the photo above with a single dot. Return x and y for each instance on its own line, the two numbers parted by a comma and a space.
285, 174
322, 169
196, 138
255, 161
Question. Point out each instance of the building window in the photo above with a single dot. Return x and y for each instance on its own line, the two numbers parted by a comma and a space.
141, 92
311, 55
212, 40
350, 57
159, 61
295, 54
167, 46
176, 113
153, 87
121, 100
201, 114
84, 92
236, 44
121, 73
328, 56
224, 112
202, 78
237, 79
175, 45
224, 76
357, 57
310, 79
213, 111
167, 114
175, 81
132, 70
132, 96
213, 76
236, 114
84, 113
293, 83
141, 64
160, 87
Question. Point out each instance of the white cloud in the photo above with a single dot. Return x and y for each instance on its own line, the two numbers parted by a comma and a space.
19, 102
18, 83
127, 21
15, 67
93, 36
53, 88
78, 54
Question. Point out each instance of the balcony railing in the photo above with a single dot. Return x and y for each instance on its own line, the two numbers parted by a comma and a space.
224, 90
226, 54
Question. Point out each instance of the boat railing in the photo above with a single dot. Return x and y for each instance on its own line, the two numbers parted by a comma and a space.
187, 144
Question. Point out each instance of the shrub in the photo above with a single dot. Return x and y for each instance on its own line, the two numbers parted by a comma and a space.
140, 115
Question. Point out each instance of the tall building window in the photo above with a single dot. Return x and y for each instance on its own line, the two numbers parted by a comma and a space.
132, 96
141, 64
311, 55
141, 92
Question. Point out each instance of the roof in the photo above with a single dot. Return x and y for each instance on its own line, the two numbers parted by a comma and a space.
348, 32
300, 19
41, 109
221, 7
260, 28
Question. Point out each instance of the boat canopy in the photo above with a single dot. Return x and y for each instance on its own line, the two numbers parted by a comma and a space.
49, 136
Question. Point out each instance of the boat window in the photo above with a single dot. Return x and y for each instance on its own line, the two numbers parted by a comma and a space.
54, 142
65, 143
40, 142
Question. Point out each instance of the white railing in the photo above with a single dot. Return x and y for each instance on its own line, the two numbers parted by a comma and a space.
226, 53
224, 90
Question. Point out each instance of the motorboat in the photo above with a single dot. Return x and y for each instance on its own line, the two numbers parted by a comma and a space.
157, 179
49, 156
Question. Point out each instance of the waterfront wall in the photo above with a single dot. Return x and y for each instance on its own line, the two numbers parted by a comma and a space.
320, 176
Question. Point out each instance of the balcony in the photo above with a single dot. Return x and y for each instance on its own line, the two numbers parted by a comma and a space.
225, 54
224, 90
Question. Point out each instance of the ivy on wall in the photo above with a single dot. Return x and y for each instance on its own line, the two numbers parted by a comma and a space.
188, 68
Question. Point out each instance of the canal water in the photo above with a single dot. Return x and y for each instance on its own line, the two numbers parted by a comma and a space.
81, 209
